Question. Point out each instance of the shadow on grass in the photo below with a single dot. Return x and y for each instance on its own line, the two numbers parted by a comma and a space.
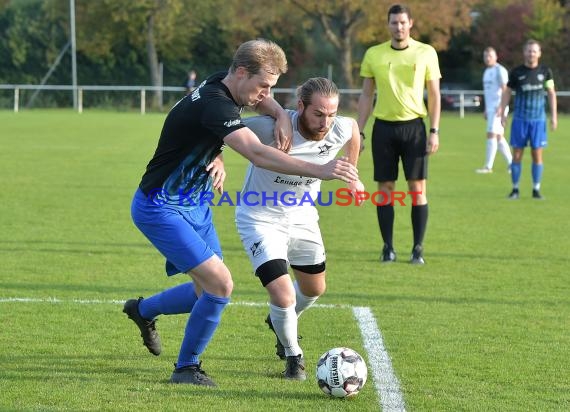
63, 370
373, 256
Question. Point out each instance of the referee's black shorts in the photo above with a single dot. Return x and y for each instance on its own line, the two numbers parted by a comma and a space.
394, 140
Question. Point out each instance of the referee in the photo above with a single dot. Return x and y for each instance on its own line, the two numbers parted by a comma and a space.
398, 70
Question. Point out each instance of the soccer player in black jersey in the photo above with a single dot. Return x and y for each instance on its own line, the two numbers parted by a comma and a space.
168, 209
529, 81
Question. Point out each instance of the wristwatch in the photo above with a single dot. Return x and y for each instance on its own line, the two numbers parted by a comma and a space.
434, 130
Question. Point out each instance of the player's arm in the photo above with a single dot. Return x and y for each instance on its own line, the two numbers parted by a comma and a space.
283, 127
504, 80
351, 148
503, 91
505, 99
246, 143
434, 113
365, 102
352, 151
553, 104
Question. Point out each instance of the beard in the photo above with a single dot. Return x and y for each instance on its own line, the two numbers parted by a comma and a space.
307, 132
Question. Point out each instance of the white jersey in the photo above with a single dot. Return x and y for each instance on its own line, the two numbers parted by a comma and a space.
278, 193
494, 78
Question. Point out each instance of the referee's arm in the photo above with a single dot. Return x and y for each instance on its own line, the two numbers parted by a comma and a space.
365, 101
434, 113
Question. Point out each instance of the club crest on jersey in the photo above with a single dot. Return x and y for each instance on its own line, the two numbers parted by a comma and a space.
256, 249
324, 150
540, 77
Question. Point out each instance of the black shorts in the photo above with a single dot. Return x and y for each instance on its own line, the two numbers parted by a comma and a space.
394, 140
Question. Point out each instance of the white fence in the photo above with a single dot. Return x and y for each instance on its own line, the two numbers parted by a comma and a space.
459, 100
80, 90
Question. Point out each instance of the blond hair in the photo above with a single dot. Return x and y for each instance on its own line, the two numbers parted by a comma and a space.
531, 42
260, 54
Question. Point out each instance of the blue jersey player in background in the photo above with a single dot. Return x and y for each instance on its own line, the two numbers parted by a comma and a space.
529, 82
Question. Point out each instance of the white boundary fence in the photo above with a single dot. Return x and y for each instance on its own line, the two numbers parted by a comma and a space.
82, 89
142, 90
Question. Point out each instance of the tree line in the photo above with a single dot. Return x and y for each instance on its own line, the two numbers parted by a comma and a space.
141, 42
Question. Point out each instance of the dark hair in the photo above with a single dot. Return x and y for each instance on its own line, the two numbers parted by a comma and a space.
314, 85
400, 9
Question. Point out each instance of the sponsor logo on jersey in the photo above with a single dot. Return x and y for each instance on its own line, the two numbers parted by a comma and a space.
232, 123
531, 87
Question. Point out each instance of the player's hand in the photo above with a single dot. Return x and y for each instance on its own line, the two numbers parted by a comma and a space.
217, 173
553, 124
283, 133
356, 187
433, 143
339, 169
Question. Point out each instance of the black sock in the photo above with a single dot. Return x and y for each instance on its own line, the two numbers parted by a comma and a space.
386, 222
419, 222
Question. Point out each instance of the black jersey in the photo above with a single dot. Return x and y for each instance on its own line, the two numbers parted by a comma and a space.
529, 86
192, 136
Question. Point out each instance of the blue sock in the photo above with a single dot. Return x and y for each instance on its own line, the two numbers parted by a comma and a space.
179, 299
515, 173
537, 174
200, 328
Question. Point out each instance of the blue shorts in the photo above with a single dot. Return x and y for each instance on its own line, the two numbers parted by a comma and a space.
524, 132
186, 237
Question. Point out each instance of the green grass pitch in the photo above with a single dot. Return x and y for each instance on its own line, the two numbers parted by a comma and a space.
483, 326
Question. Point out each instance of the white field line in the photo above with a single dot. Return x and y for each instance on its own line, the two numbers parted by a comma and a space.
386, 382
114, 302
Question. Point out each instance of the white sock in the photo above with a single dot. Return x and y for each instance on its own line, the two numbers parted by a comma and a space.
284, 322
505, 150
490, 153
303, 302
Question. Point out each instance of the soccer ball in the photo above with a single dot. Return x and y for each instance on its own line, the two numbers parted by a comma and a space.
341, 372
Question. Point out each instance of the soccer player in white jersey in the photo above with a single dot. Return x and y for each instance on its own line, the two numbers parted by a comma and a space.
280, 227
495, 78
